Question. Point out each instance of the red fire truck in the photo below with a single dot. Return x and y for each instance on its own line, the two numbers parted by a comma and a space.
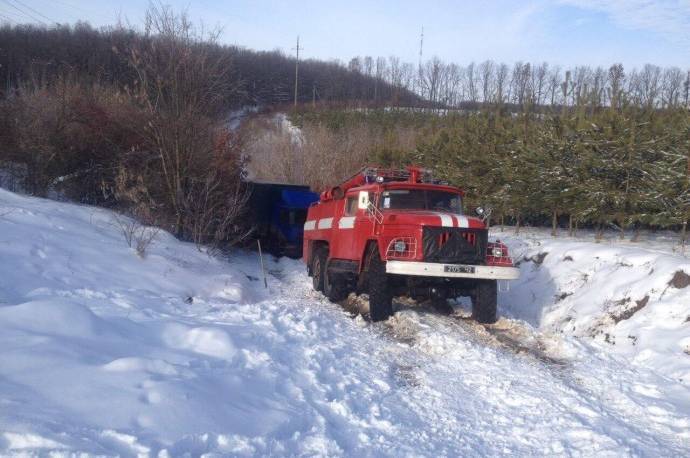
392, 232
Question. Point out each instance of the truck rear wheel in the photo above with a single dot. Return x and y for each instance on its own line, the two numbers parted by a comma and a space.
318, 268
484, 307
380, 297
334, 287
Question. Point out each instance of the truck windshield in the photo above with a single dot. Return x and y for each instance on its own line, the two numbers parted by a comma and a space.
421, 199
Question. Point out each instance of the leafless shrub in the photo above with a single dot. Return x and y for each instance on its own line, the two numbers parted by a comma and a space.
184, 86
67, 137
136, 235
219, 200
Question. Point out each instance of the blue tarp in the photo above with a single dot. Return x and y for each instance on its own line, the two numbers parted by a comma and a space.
298, 199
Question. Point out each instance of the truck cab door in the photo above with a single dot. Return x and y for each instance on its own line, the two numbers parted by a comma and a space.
343, 228
355, 226
364, 222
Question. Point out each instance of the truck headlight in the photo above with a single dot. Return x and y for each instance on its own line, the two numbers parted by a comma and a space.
497, 252
399, 246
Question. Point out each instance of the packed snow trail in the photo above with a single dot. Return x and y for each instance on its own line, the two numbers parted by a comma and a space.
177, 353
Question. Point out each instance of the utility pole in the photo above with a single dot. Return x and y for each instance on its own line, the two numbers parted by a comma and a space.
296, 69
419, 67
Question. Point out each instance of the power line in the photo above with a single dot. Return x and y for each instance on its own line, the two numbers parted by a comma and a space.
23, 12
65, 10
6, 18
24, 5
76, 8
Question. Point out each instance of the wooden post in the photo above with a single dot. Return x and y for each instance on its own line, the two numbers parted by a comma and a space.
261, 258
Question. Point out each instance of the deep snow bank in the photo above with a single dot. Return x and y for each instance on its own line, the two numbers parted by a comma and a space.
629, 297
106, 353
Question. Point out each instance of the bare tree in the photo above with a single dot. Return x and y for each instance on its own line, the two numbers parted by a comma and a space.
553, 84
355, 64
452, 85
471, 79
184, 88
395, 77
648, 85
368, 70
671, 87
598, 90
486, 72
616, 81
582, 84
381, 70
521, 84
501, 83
431, 78
539, 82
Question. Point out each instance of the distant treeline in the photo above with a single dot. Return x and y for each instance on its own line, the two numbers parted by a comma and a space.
38, 55
525, 86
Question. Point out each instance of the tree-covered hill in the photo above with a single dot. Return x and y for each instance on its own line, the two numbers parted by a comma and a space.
39, 54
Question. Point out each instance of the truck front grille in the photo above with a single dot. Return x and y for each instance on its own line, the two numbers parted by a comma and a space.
454, 245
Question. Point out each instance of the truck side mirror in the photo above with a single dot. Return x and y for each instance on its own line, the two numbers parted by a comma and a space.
479, 211
363, 200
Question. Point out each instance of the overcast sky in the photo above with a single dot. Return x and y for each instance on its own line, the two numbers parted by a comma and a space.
564, 32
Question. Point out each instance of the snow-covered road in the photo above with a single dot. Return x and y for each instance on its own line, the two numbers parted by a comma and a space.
107, 353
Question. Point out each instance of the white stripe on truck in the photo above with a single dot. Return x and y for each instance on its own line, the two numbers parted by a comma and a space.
325, 223
446, 220
310, 225
346, 222
462, 221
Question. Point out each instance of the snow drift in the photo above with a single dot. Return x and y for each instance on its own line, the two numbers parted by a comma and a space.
109, 353
631, 298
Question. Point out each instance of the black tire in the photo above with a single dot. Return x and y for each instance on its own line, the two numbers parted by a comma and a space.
484, 307
334, 287
318, 268
380, 297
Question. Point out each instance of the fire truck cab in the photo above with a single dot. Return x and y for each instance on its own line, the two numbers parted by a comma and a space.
392, 232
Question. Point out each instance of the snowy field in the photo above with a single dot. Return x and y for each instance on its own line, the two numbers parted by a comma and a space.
105, 352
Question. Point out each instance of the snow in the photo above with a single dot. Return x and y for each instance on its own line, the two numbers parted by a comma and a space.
105, 352
236, 117
617, 294
283, 123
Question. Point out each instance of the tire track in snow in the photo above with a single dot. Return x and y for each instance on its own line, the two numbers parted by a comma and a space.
588, 396
462, 378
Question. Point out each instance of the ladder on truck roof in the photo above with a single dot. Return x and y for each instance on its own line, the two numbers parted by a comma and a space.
375, 174
412, 174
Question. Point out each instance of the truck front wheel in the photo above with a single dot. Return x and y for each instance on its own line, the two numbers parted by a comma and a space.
484, 301
318, 268
380, 297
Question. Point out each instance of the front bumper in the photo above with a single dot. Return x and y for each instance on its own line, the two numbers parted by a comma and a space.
434, 269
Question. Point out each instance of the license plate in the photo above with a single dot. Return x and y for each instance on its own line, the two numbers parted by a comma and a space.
458, 269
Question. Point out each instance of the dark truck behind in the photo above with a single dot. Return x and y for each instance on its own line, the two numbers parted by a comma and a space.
278, 212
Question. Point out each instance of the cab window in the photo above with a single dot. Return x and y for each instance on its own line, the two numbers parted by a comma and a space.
421, 199
351, 206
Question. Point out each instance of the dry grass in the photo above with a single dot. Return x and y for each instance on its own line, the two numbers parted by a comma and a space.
316, 155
